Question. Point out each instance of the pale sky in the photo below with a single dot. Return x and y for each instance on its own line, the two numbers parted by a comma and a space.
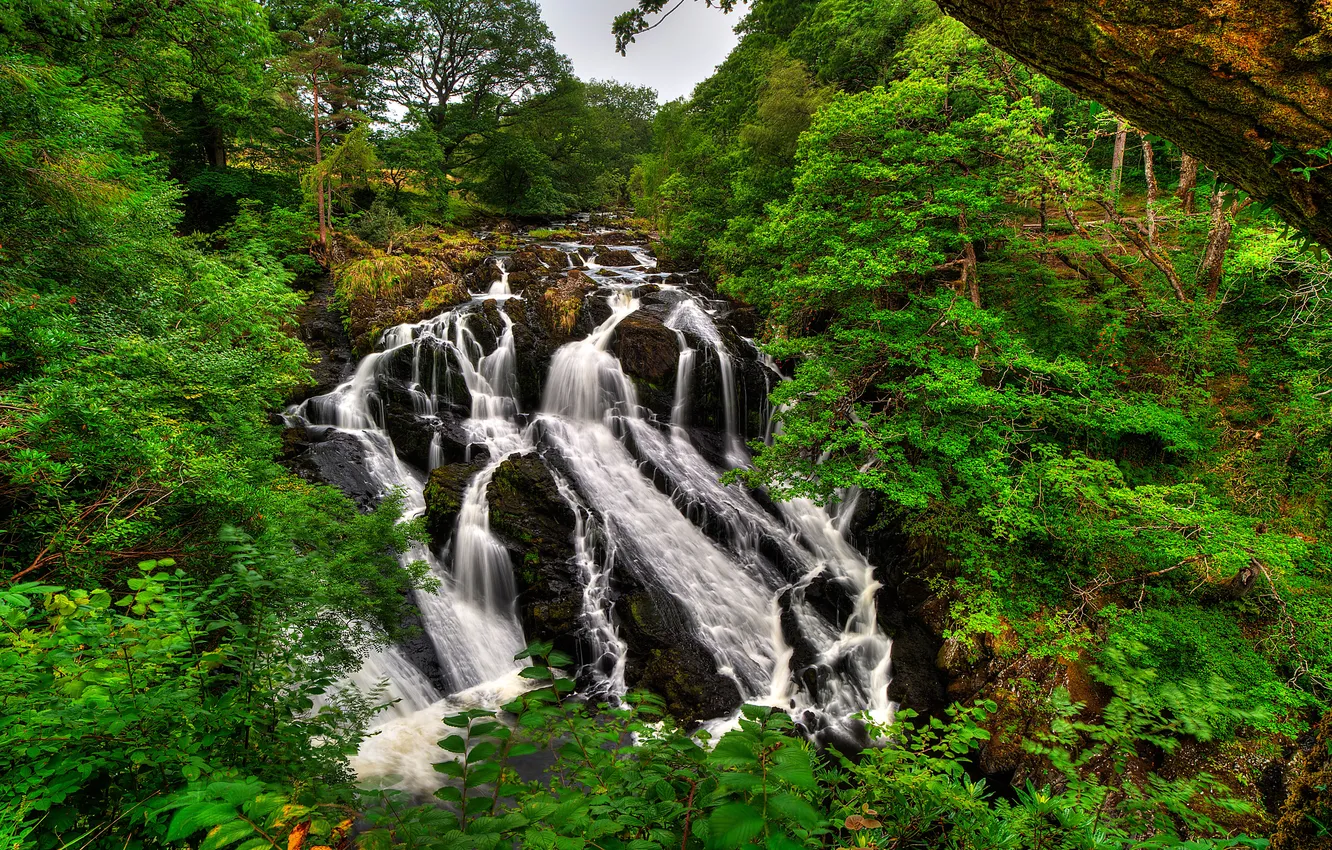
672, 59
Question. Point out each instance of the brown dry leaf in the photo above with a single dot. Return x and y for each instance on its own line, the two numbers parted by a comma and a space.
297, 837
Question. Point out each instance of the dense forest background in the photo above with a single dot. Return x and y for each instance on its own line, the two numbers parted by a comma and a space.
1085, 382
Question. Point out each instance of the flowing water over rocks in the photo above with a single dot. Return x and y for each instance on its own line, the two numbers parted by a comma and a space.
564, 434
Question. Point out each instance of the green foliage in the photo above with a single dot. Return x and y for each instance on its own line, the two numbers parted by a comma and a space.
116, 705
1091, 456
624, 777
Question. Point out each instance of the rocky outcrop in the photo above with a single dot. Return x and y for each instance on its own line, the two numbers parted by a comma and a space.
616, 257
649, 353
326, 456
444, 497
320, 328
561, 305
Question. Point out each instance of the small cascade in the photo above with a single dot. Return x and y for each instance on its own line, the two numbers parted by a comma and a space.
586, 381
604, 667
689, 316
501, 286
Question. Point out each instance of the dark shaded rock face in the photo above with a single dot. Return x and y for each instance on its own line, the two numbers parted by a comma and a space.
325, 456
416, 647
530, 518
666, 658
619, 258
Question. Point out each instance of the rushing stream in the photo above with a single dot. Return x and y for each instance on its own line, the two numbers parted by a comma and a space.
648, 507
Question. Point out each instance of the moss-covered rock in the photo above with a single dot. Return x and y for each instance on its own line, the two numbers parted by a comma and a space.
561, 305
617, 257
444, 497
376, 290
534, 522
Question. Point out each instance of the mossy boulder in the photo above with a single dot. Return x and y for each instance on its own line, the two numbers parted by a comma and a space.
534, 522
649, 353
444, 496
561, 305
617, 257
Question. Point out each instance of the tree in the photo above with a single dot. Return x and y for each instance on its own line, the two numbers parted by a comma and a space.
316, 66
368, 33
473, 65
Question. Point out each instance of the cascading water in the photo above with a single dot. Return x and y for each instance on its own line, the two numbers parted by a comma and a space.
647, 504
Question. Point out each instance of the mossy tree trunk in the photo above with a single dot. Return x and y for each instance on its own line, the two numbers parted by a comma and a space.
1188, 183
1226, 80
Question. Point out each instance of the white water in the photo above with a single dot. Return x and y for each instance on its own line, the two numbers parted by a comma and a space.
706, 547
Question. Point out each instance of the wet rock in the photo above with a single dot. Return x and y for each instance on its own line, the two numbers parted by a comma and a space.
416, 647
444, 496
553, 258
534, 348
649, 352
666, 658
486, 274
617, 257
534, 522
443, 297
528, 261
325, 456
412, 435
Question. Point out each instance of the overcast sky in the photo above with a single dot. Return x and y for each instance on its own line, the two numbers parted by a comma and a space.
672, 59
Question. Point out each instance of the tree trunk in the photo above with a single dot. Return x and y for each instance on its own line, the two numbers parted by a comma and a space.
1153, 190
1117, 166
1218, 242
319, 157
1188, 182
970, 274
1227, 82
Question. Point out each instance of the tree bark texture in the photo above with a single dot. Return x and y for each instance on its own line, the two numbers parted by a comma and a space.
1117, 163
1188, 183
1153, 188
1226, 80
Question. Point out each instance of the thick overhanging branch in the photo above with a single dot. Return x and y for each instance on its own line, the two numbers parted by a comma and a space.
1232, 82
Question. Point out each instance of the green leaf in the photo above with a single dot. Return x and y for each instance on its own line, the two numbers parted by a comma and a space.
791, 764
476, 805
449, 794
191, 819
793, 808
454, 744
481, 752
733, 825
451, 769
733, 751
226, 834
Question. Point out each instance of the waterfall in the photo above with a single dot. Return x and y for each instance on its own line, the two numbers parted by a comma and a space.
648, 508
501, 286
